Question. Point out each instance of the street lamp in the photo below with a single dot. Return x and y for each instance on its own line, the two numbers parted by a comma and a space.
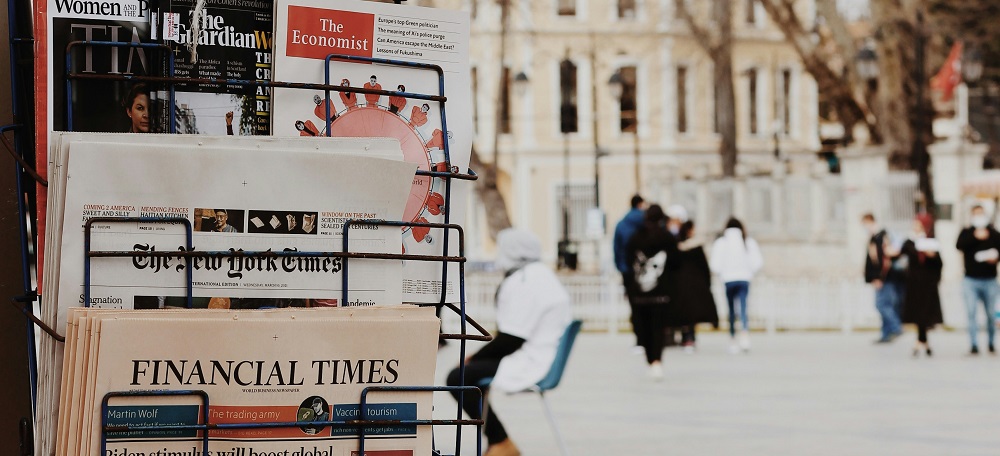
867, 63
521, 83
972, 66
616, 85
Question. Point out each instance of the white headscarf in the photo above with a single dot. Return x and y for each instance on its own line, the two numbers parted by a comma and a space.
517, 247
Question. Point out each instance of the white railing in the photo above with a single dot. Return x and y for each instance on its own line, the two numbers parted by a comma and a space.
776, 304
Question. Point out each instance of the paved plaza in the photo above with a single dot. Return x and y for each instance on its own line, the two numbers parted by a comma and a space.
804, 393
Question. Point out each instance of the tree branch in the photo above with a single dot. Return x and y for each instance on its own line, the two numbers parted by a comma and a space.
850, 108
701, 34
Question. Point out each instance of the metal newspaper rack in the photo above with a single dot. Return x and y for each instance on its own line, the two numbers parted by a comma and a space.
22, 153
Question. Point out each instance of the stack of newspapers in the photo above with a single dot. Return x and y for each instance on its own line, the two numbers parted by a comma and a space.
263, 215
259, 371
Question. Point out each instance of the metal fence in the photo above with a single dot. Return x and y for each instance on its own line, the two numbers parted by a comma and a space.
774, 305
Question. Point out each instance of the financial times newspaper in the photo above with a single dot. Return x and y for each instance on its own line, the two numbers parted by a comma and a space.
274, 367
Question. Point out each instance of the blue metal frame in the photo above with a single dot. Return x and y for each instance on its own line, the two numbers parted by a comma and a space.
20, 144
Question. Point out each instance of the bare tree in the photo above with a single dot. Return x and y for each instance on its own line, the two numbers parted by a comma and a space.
900, 116
716, 38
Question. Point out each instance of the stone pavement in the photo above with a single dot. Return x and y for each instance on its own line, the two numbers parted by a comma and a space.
804, 393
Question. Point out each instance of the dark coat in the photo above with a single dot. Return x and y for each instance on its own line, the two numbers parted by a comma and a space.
922, 302
692, 301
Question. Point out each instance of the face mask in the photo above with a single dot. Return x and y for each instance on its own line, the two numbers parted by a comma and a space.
980, 221
675, 230
918, 235
871, 227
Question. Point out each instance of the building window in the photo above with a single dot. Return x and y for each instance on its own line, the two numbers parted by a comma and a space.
566, 7
626, 9
752, 102
629, 119
751, 11
505, 101
474, 77
682, 114
567, 97
786, 101
574, 200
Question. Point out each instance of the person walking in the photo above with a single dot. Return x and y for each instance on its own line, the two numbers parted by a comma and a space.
624, 231
650, 253
922, 301
887, 280
692, 299
532, 313
980, 245
736, 259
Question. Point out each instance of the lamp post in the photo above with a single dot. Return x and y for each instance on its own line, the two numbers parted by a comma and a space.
867, 63
616, 84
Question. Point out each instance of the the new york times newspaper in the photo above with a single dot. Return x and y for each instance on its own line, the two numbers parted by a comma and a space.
286, 201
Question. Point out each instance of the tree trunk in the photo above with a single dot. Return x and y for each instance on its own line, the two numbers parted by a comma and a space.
717, 41
725, 105
497, 217
905, 107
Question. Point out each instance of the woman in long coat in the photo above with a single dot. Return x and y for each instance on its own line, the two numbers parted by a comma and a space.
922, 302
692, 301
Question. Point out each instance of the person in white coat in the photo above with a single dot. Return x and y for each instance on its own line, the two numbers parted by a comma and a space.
533, 311
736, 259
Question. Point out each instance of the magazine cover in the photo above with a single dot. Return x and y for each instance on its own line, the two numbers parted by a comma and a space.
103, 106
229, 196
228, 40
307, 31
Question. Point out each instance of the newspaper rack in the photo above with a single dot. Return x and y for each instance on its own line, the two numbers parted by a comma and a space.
25, 173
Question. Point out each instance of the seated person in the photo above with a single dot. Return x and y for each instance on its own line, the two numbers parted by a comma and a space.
532, 314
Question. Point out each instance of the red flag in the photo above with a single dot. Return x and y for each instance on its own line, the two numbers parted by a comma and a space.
950, 74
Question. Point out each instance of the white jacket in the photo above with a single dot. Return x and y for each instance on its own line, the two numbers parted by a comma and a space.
733, 259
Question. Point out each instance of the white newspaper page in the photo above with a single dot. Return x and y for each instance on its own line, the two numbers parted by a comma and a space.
312, 368
307, 31
249, 200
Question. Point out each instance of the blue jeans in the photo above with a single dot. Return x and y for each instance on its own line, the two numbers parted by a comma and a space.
888, 300
737, 291
985, 290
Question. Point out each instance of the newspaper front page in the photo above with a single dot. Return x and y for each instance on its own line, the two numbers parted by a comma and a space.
236, 200
260, 379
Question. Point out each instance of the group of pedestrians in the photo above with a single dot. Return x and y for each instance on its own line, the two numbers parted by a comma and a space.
667, 277
906, 273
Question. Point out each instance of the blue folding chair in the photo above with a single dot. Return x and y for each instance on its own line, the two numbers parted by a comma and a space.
551, 380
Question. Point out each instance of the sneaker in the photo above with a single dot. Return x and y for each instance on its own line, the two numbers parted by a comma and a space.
656, 371
689, 349
745, 341
974, 350
992, 350
882, 340
638, 350
734, 349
